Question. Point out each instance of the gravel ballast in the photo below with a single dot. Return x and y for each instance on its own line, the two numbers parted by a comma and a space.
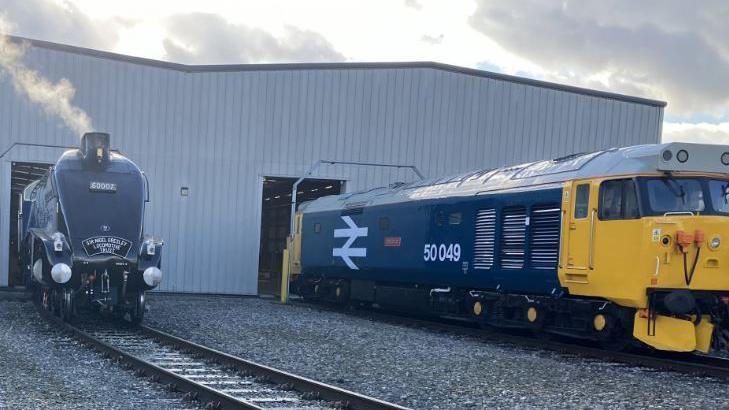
40, 368
420, 368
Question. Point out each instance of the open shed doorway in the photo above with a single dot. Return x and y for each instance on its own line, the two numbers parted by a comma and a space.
21, 174
275, 220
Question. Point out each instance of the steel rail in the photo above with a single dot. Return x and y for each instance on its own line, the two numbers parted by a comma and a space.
174, 382
696, 364
349, 399
310, 390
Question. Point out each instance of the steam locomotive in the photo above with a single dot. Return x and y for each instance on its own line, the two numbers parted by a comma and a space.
623, 246
80, 234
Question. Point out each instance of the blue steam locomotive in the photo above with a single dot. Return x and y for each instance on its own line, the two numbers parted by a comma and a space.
81, 240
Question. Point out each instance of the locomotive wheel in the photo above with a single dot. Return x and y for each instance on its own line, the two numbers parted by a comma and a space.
65, 297
137, 313
45, 299
54, 302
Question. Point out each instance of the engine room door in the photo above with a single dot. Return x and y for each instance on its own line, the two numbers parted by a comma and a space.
581, 216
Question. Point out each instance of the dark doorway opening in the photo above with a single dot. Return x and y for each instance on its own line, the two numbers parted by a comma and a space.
21, 174
275, 220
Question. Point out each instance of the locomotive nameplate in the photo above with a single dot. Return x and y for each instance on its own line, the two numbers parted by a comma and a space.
393, 241
95, 186
106, 245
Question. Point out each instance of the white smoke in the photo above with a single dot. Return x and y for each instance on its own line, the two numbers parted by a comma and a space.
54, 98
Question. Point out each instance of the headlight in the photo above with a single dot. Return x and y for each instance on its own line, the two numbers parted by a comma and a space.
61, 273
58, 240
682, 156
715, 242
152, 276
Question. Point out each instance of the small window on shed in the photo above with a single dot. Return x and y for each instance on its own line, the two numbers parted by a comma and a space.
582, 201
317, 227
384, 223
455, 218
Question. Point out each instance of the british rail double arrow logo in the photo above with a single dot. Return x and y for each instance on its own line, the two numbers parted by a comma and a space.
346, 252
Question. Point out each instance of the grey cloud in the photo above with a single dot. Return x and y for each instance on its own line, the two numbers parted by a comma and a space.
201, 38
432, 40
665, 49
701, 133
59, 22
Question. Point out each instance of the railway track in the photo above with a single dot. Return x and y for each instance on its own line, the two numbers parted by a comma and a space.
701, 365
214, 379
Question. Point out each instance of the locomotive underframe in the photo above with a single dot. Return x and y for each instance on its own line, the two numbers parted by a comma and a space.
111, 285
560, 315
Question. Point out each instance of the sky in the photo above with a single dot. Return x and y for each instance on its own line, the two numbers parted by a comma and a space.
671, 50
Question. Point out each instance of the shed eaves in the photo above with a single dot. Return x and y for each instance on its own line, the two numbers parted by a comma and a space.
337, 66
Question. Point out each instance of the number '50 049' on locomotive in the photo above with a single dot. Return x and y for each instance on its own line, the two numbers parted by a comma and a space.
81, 240
620, 246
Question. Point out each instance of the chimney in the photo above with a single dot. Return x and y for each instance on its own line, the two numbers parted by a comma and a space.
95, 147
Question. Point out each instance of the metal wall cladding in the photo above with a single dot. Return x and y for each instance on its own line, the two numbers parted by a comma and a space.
218, 132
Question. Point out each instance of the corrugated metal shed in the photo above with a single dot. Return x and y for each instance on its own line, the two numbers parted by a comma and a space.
219, 129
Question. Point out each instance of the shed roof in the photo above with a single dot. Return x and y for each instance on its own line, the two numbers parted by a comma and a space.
337, 66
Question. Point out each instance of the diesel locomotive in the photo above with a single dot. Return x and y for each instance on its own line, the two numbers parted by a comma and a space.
81, 240
623, 247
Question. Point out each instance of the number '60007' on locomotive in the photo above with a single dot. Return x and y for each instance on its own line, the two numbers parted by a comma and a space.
623, 246
81, 240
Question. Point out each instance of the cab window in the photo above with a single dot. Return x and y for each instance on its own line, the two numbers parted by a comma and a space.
719, 191
582, 201
618, 200
675, 195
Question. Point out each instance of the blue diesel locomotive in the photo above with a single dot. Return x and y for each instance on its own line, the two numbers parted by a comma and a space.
81, 240
618, 246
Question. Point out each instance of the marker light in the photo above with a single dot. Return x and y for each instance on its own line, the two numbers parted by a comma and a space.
61, 273
682, 156
57, 242
150, 248
715, 242
152, 276
725, 158
667, 155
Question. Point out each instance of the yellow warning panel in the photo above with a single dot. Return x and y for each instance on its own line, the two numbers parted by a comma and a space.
670, 333
285, 264
704, 331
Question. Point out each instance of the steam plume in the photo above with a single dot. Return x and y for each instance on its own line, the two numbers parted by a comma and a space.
54, 98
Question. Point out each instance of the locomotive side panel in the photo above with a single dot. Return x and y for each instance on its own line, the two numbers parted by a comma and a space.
506, 241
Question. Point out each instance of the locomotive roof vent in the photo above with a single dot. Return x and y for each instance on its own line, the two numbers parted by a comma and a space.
95, 147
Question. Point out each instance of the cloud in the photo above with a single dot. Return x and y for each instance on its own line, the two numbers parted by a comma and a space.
432, 40
201, 38
413, 4
60, 22
671, 50
702, 132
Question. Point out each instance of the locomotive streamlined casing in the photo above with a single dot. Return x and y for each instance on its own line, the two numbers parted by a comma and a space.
527, 248
84, 232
